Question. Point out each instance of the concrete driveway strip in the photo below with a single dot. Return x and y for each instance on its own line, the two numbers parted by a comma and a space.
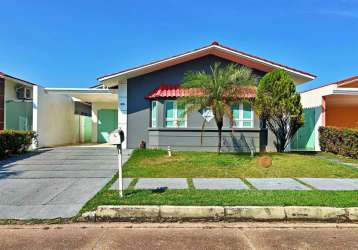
54, 182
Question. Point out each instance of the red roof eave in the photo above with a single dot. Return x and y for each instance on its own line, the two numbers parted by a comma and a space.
213, 45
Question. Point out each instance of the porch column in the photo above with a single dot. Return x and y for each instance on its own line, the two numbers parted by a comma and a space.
122, 110
35, 103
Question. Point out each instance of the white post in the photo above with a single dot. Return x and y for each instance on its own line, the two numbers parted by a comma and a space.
120, 178
35, 105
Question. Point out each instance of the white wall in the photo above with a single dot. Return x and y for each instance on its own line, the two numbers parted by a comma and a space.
55, 119
95, 107
313, 99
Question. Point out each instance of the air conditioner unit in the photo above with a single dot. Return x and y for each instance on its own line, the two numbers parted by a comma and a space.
23, 93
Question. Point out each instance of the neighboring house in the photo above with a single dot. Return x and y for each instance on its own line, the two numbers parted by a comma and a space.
16, 103
333, 104
142, 101
58, 120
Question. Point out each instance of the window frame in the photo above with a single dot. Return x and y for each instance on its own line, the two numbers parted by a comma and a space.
154, 113
175, 118
241, 120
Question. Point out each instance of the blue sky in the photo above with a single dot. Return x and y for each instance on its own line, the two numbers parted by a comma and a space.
71, 43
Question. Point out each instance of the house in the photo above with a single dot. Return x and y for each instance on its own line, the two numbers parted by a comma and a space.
333, 104
16, 104
142, 102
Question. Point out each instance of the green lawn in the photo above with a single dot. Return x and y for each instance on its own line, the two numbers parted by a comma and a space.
223, 197
339, 157
156, 163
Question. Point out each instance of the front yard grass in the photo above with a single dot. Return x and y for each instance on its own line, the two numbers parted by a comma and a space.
156, 164
192, 197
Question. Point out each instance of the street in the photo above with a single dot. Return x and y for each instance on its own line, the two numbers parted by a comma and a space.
180, 236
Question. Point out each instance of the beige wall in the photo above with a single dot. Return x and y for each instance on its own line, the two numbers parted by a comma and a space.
10, 89
95, 107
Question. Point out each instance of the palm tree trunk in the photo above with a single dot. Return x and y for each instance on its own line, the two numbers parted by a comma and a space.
220, 127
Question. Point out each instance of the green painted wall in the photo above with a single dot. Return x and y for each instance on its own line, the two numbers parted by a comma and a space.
304, 139
107, 122
18, 115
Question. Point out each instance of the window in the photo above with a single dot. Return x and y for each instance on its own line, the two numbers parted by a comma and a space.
175, 115
154, 108
243, 116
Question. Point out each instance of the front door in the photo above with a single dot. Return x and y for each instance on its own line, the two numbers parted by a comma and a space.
107, 122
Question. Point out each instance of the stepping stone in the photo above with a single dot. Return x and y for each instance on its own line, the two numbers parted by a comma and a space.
126, 183
159, 183
276, 184
219, 183
332, 183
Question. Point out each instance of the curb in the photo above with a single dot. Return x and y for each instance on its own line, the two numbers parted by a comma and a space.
221, 213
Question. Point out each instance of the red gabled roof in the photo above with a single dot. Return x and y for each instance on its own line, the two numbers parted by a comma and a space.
338, 83
175, 91
214, 45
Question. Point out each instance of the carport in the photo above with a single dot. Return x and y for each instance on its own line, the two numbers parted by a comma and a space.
341, 108
104, 110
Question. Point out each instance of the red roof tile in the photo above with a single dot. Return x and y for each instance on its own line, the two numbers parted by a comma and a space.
175, 91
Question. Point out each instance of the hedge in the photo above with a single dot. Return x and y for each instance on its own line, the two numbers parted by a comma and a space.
340, 141
15, 142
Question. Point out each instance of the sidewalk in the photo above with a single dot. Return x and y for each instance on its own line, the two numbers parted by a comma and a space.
181, 236
242, 184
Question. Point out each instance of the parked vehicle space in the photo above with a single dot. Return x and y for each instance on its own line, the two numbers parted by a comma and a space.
54, 182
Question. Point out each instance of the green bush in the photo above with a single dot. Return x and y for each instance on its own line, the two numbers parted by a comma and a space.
340, 141
15, 142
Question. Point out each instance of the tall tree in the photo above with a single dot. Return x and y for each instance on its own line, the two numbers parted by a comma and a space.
219, 89
279, 106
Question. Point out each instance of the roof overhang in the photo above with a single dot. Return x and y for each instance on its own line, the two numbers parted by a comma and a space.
87, 94
213, 49
15, 79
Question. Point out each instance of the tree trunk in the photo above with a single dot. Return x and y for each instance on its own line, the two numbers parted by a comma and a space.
220, 127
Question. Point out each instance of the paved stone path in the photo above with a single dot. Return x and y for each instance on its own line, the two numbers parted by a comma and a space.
238, 184
54, 182
276, 184
331, 183
162, 183
219, 183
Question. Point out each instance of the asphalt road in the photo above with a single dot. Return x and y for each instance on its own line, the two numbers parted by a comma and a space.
180, 236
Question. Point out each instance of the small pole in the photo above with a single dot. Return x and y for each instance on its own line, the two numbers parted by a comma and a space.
169, 151
120, 179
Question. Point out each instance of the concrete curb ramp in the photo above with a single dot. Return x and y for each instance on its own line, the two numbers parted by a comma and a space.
220, 213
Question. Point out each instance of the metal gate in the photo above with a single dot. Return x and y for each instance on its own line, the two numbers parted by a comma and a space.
304, 139
107, 122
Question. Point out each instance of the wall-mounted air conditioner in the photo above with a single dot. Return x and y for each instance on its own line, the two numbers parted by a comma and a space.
23, 93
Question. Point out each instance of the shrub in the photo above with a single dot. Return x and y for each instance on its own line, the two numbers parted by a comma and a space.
15, 142
342, 141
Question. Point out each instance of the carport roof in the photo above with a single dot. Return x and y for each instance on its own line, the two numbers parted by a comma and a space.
87, 94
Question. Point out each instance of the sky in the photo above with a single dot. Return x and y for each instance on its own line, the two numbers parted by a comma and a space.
71, 43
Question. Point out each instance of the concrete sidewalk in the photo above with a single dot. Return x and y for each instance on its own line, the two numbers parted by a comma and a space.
55, 182
181, 236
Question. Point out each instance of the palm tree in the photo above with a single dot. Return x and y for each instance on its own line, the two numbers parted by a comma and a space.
219, 90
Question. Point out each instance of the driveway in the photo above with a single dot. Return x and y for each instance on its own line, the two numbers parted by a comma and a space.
54, 182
